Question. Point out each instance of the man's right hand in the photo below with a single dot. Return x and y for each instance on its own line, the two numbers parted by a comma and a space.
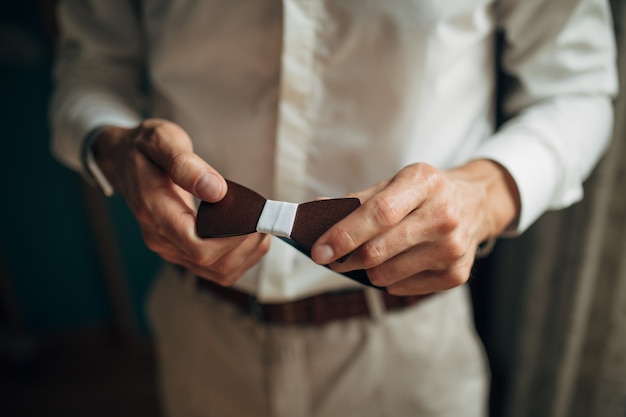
153, 167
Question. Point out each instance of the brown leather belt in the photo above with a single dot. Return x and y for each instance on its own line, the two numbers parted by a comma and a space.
315, 310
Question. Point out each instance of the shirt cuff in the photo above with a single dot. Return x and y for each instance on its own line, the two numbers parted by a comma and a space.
85, 115
533, 169
92, 172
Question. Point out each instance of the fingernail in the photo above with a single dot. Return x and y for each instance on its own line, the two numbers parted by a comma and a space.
209, 187
323, 254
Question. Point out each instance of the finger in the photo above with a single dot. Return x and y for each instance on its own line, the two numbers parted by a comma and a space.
230, 267
162, 246
423, 257
415, 231
169, 213
384, 210
428, 282
169, 147
368, 193
225, 270
435, 221
363, 195
167, 210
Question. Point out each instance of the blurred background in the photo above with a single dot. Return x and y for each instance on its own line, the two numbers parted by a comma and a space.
73, 269
74, 274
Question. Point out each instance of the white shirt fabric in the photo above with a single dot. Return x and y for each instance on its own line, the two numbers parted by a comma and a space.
304, 98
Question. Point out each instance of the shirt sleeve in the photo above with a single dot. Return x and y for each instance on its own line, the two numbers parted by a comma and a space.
97, 73
558, 60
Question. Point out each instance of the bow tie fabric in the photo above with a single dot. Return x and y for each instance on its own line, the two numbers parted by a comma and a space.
243, 211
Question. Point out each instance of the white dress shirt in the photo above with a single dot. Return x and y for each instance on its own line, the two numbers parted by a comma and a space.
305, 98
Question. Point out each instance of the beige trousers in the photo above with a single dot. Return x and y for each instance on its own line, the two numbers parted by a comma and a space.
423, 361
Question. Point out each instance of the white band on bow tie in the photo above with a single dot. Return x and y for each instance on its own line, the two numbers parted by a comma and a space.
277, 218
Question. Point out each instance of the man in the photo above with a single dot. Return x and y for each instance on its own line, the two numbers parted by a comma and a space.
392, 102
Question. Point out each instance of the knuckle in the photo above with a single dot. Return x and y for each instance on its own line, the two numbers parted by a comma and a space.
264, 246
407, 235
378, 277
372, 254
142, 213
394, 291
387, 211
449, 217
398, 290
454, 277
179, 165
224, 270
153, 244
165, 229
158, 246
229, 280
153, 133
421, 173
204, 258
157, 130
429, 174
454, 248
344, 238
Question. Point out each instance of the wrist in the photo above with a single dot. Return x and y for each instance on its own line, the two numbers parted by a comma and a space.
501, 199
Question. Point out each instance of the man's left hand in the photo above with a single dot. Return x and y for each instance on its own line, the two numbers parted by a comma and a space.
418, 232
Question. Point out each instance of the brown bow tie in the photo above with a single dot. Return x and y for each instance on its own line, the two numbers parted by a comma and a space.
243, 211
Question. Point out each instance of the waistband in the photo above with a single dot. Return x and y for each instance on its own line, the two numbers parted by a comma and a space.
315, 310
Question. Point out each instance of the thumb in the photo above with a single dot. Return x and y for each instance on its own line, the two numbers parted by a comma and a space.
168, 146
